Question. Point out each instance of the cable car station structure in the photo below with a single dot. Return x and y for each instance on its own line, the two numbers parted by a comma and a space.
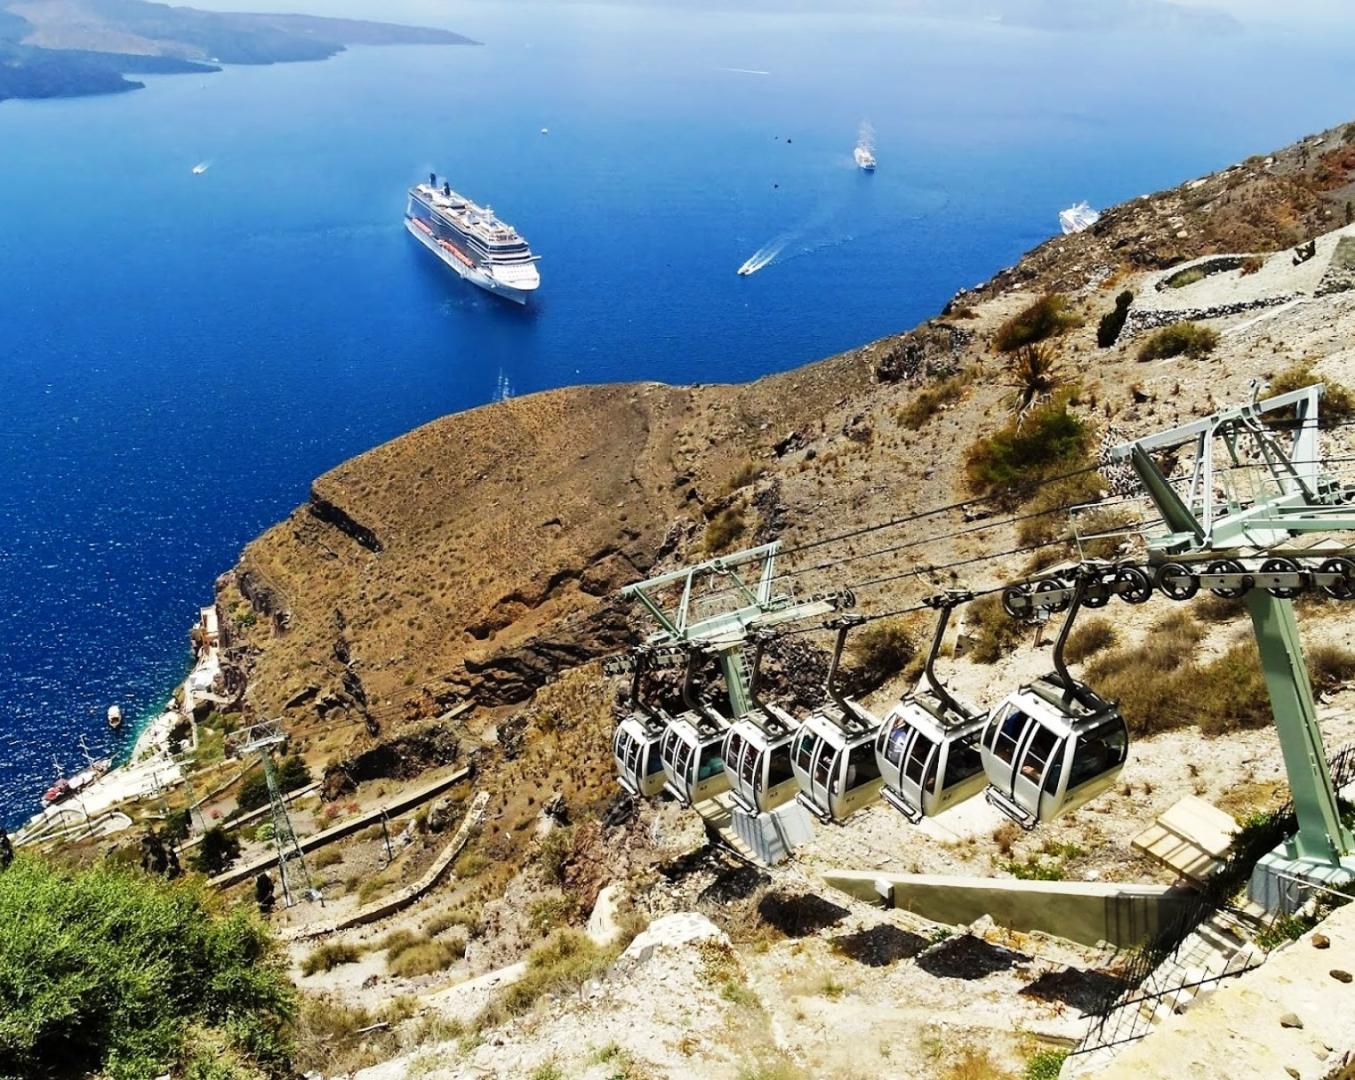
1256, 518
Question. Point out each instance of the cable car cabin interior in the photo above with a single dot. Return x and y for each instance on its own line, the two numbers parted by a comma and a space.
635, 748
1050, 747
929, 756
833, 758
757, 757
693, 757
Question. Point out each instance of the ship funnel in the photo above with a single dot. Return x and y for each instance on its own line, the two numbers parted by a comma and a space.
447, 189
432, 179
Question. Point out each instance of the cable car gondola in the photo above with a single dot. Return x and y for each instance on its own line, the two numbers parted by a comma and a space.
693, 756
928, 746
833, 753
693, 748
635, 745
1053, 744
757, 752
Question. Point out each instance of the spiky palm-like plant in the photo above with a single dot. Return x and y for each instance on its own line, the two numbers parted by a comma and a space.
1034, 376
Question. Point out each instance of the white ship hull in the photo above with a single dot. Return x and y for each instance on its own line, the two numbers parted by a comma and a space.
864, 159
517, 291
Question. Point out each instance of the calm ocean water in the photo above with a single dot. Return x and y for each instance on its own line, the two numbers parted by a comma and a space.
180, 355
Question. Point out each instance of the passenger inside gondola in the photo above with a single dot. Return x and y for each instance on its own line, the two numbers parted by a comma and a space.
1009, 734
1098, 752
710, 763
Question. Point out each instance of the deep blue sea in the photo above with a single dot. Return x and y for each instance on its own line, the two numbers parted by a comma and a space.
180, 354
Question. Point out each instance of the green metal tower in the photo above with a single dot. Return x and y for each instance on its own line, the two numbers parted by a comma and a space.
718, 605
1267, 490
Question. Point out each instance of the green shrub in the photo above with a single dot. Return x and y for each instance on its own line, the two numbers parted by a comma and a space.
1046, 1065
1179, 339
178, 824
217, 852
1044, 318
722, 530
549, 913
1087, 638
292, 774
111, 971
1112, 322
557, 848
328, 956
1034, 372
1015, 459
253, 792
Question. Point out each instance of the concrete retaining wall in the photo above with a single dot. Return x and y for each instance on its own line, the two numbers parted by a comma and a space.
1085, 911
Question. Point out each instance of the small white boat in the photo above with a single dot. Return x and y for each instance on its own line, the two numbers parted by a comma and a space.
865, 147
114, 717
201, 167
1077, 217
545, 131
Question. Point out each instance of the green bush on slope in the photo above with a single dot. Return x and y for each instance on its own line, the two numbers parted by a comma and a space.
111, 970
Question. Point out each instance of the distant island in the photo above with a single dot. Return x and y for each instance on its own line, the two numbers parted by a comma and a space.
69, 48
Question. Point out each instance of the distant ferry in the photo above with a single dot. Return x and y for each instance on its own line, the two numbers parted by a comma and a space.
864, 158
472, 241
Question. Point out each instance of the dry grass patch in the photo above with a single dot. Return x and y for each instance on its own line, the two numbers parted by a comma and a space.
559, 965
329, 956
992, 632
1043, 319
723, 529
425, 957
1179, 339
930, 400
1089, 637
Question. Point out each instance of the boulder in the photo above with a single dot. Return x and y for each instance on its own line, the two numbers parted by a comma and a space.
679, 931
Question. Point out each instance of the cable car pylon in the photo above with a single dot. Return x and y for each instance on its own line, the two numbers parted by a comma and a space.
294, 876
703, 751
1209, 529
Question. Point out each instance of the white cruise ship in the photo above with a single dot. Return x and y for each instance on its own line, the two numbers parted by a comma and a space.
482, 249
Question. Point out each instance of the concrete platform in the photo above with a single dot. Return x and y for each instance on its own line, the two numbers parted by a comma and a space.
1089, 912
1192, 839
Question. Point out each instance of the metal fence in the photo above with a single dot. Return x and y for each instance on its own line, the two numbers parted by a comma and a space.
1126, 1010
